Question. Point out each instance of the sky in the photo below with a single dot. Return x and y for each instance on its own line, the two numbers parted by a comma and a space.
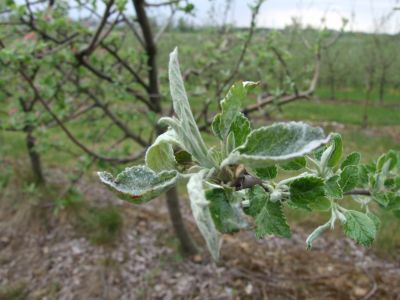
363, 15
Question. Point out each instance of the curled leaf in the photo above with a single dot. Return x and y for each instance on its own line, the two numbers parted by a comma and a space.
278, 143
139, 184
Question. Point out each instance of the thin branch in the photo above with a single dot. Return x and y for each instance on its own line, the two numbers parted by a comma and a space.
68, 133
172, 2
128, 132
166, 25
254, 14
362, 192
94, 42
126, 65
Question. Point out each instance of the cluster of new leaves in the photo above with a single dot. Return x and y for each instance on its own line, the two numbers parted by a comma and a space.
235, 186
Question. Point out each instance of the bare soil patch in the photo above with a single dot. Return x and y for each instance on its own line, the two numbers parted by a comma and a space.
143, 263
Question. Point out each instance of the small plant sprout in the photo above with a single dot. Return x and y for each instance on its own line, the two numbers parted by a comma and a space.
234, 186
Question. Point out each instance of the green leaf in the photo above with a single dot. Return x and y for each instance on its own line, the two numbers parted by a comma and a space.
306, 192
257, 198
160, 155
323, 204
348, 178
271, 220
337, 151
140, 184
381, 176
216, 126
230, 143
185, 126
392, 156
394, 203
352, 159
363, 175
359, 227
227, 215
384, 198
241, 128
294, 164
277, 143
266, 173
230, 107
121, 4
316, 233
201, 213
374, 219
183, 157
332, 188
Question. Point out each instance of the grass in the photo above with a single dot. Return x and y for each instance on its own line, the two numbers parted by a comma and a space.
16, 291
351, 114
391, 95
101, 225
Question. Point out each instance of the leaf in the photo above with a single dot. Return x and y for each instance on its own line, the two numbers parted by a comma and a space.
359, 227
316, 233
185, 126
384, 198
322, 204
306, 192
266, 173
352, 159
332, 188
392, 156
183, 157
121, 4
201, 213
374, 219
271, 220
230, 107
363, 173
257, 198
216, 126
294, 164
241, 128
381, 176
337, 151
230, 143
394, 203
140, 184
348, 178
162, 148
277, 143
227, 216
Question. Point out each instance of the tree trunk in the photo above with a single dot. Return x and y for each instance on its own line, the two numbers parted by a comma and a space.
367, 101
333, 88
34, 156
382, 84
187, 246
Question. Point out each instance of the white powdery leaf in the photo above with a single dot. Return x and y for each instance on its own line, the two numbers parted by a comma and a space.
139, 184
185, 125
160, 155
277, 143
201, 213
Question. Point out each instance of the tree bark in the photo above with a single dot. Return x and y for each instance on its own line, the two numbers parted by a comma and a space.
34, 156
382, 84
188, 248
187, 245
332, 83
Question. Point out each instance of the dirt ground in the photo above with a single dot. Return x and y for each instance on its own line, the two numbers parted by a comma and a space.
59, 263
